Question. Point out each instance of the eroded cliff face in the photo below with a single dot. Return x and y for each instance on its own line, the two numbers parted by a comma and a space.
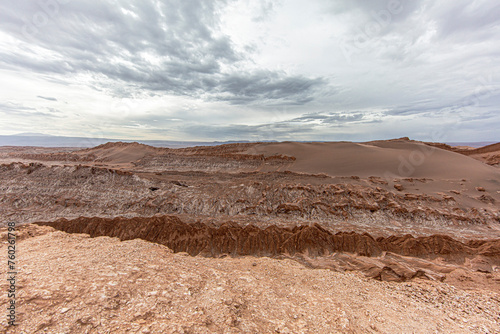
488, 154
233, 239
300, 242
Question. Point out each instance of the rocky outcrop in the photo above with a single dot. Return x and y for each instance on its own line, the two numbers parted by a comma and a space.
489, 154
233, 239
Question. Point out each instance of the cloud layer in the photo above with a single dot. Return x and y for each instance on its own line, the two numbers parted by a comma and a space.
218, 70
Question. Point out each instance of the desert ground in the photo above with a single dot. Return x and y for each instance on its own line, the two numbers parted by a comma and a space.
289, 237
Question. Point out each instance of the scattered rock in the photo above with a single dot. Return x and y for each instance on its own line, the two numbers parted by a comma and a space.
180, 184
399, 187
481, 264
486, 199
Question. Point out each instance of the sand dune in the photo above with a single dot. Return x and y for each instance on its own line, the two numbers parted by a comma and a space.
118, 152
388, 159
384, 159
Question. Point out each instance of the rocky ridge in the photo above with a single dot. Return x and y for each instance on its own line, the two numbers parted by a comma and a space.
400, 258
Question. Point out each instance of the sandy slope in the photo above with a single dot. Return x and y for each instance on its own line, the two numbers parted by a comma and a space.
119, 152
392, 160
384, 158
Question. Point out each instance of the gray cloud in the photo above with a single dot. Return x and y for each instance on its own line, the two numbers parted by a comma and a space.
312, 126
267, 7
463, 19
244, 88
15, 109
368, 8
330, 118
47, 98
162, 46
416, 108
273, 131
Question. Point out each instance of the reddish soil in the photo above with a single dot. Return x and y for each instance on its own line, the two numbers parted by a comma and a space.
399, 210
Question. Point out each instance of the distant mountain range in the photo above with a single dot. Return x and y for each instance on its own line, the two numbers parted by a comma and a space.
40, 139
476, 144
32, 134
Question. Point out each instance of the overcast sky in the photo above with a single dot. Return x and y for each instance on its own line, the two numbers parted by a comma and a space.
251, 70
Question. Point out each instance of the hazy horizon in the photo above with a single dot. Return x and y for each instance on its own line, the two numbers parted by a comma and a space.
264, 70
44, 140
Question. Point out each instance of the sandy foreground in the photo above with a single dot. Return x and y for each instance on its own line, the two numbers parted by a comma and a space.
70, 283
